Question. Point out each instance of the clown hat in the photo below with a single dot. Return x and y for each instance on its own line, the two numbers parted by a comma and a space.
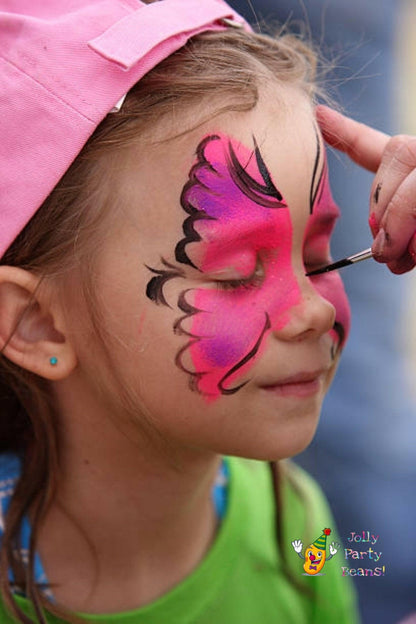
321, 541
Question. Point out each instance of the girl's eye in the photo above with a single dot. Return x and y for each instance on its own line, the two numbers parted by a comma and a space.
314, 266
316, 252
252, 281
316, 262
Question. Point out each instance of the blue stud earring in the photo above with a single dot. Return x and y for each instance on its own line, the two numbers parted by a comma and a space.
53, 360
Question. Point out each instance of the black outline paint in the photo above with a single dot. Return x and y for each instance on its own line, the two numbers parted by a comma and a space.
154, 288
340, 331
251, 354
256, 192
191, 235
376, 195
190, 311
266, 195
313, 194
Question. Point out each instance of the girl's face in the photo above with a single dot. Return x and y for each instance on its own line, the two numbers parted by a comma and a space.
216, 329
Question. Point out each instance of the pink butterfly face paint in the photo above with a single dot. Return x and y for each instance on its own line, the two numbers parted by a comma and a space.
238, 236
241, 236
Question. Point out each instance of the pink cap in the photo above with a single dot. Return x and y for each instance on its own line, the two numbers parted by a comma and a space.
63, 68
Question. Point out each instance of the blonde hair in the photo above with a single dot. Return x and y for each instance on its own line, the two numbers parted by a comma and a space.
67, 227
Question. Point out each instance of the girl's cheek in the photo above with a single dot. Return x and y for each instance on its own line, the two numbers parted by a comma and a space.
225, 327
229, 330
331, 288
224, 331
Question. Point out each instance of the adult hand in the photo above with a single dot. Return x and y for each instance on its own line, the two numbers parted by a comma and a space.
393, 195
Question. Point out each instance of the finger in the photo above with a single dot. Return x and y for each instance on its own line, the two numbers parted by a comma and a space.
398, 162
407, 262
403, 265
362, 144
412, 249
398, 223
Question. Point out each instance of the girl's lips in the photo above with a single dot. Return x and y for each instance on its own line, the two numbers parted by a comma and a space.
300, 385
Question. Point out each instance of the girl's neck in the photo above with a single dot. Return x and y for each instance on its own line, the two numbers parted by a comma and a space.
129, 521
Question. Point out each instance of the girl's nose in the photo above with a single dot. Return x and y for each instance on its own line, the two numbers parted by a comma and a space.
312, 315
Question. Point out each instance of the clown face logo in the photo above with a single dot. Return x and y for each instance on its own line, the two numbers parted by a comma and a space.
315, 554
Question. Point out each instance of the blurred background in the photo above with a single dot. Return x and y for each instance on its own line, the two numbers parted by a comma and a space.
364, 451
405, 107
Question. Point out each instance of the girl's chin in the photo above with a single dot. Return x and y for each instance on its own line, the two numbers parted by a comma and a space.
271, 448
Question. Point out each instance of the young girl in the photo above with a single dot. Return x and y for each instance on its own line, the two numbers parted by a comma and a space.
156, 323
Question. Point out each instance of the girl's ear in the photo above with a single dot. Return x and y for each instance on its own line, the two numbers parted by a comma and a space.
32, 326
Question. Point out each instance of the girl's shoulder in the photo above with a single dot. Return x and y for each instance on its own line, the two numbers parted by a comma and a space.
300, 491
292, 494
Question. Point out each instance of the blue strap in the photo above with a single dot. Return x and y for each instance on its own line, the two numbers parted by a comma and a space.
220, 490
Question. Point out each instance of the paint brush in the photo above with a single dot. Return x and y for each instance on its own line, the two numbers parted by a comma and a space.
358, 257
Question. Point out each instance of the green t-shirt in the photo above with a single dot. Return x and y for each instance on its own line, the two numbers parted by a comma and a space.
240, 580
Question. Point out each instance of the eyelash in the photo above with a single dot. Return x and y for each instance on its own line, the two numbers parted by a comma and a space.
317, 263
316, 259
253, 281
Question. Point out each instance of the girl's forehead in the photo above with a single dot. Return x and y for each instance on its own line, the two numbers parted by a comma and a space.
282, 128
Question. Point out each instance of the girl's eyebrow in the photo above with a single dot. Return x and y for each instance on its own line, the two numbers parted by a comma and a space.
325, 220
322, 221
240, 233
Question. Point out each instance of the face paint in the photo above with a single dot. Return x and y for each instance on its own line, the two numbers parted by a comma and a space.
239, 233
316, 252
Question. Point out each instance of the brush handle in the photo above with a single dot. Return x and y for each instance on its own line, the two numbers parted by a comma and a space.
362, 255
339, 264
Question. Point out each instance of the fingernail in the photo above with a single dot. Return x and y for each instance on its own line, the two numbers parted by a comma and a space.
379, 243
372, 222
